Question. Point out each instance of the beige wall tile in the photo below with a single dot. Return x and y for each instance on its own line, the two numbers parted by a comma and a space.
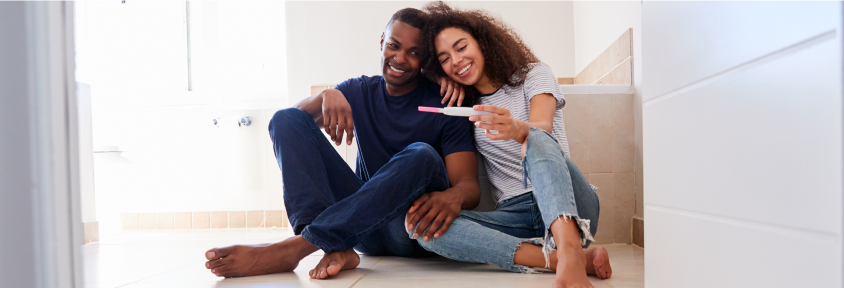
130, 221
600, 133
625, 201
316, 89
91, 230
616, 53
254, 219
182, 220
165, 220
200, 220
606, 228
219, 219
639, 231
623, 144
284, 220
623, 74
577, 125
237, 219
565, 81
146, 221
275, 218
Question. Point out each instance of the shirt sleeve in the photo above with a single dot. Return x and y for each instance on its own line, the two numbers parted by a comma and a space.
540, 79
457, 135
348, 88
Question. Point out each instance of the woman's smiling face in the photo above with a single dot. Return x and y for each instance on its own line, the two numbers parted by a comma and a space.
459, 56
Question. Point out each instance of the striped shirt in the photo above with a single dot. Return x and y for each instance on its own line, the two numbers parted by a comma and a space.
502, 158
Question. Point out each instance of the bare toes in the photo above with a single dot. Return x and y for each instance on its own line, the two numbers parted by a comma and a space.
217, 253
211, 254
213, 264
334, 268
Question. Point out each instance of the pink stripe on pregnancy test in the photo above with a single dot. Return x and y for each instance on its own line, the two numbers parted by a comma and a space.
429, 109
454, 111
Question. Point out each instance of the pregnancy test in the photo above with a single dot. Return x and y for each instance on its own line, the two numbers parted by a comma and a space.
454, 111
457, 111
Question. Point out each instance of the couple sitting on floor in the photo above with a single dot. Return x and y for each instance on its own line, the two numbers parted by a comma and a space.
417, 177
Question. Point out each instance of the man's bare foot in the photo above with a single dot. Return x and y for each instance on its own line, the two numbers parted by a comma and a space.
334, 262
571, 263
251, 260
598, 262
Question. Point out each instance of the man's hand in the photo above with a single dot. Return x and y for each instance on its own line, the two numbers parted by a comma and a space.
337, 116
433, 209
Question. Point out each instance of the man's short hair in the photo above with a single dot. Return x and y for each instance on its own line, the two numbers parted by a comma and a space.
411, 16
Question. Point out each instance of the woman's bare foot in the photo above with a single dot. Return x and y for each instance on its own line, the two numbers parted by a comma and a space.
598, 262
571, 265
251, 260
334, 262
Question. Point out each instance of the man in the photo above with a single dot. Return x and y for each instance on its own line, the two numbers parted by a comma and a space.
403, 154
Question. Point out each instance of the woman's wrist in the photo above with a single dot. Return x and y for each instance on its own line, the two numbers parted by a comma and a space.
522, 130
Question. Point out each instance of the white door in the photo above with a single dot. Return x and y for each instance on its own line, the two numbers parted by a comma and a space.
742, 123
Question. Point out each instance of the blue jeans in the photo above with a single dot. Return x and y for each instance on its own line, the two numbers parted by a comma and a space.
560, 192
334, 209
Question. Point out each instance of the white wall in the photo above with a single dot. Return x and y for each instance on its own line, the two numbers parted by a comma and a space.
597, 24
175, 159
743, 144
329, 42
42, 228
17, 266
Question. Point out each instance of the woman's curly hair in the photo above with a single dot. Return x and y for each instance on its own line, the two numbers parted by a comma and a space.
506, 56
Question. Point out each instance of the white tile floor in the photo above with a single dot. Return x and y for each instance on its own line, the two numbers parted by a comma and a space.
174, 258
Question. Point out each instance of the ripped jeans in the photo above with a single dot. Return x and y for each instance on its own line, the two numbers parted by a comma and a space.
560, 191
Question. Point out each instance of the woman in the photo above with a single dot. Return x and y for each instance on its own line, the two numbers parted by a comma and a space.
527, 159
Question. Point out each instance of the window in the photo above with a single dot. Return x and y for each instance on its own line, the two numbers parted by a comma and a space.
178, 52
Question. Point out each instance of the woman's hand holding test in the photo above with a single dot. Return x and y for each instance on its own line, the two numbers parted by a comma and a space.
507, 126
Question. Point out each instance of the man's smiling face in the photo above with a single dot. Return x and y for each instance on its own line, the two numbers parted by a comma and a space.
400, 47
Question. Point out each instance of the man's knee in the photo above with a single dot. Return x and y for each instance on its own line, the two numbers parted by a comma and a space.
422, 153
288, 118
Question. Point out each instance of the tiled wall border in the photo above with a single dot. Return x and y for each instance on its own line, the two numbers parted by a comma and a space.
205, 220
613, 66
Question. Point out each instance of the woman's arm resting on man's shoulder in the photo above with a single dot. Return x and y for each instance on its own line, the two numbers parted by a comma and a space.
439, 209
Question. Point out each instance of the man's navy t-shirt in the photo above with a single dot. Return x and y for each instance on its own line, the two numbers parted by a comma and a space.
385, 124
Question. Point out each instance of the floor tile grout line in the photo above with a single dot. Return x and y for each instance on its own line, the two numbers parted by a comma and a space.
168, 271
367, 272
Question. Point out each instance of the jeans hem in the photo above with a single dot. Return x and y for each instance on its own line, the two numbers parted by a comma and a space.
585, 235
316, 242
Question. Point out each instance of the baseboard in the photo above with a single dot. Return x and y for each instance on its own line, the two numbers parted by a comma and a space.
205, 220
638, 231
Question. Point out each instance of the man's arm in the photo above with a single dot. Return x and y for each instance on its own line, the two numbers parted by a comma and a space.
313, 106
331, 111
441, 208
